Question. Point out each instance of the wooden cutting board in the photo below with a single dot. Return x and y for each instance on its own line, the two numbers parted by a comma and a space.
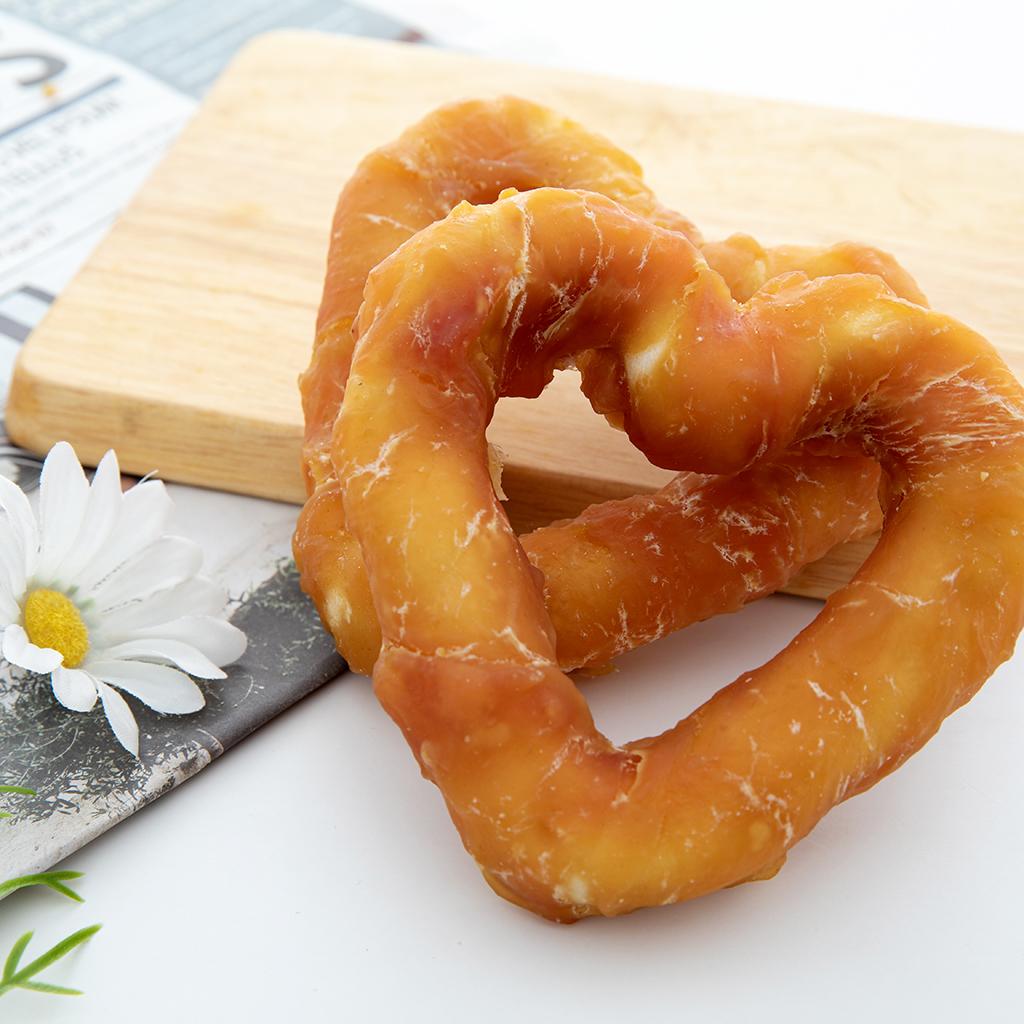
180, 342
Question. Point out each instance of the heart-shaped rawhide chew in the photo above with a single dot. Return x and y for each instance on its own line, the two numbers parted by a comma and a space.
487, 303
842, 367
725, 542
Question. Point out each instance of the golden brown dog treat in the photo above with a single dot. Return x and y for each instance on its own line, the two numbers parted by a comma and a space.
486, 303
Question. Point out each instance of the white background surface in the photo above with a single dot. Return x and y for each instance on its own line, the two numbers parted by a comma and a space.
941, 60
311, 875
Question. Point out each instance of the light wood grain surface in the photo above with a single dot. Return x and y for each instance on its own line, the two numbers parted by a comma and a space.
180, 342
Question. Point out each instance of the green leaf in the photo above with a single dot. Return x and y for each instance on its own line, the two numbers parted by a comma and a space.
51, 878
15, 955
56, 990
21, 979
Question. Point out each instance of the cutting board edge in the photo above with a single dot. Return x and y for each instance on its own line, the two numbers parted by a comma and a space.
147, 437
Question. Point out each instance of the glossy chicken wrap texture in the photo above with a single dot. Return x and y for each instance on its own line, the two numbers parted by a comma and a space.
803, 395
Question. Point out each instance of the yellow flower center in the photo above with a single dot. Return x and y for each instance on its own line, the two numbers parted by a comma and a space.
51, 620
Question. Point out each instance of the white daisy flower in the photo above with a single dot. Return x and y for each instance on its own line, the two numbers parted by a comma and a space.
97, 597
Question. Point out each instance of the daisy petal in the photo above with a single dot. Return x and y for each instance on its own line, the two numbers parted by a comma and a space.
20, 651
218, 640
197, 596
10, 610
165, 563
74, 688
120, 717
102, 510
63, 493
160, 649
12, 560
146, 510
163, 688
22, 522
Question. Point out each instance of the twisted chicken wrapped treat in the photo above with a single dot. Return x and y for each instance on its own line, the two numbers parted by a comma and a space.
471, 152
487, 303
